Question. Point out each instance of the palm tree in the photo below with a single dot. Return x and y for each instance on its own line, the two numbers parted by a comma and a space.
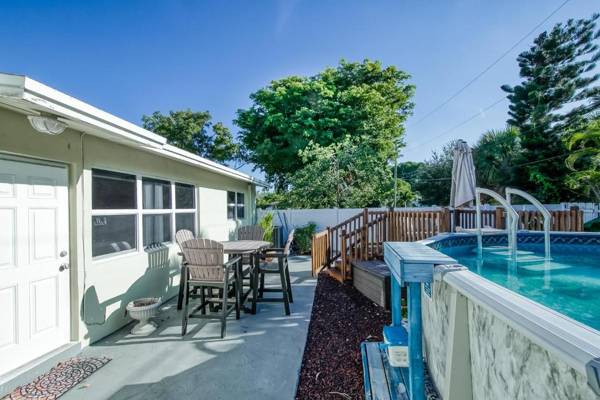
495, 156
585, 159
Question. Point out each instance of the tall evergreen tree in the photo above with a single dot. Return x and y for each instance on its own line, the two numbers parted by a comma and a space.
556, 97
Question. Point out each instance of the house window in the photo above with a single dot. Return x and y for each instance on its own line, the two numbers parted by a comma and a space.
184, 196
235, 205
156, 194
113, 190
230, 205
119, 219
185, 207
240, 206
156, 221
114, 213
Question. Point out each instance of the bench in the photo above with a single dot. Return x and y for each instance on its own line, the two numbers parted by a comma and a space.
372, 279
382, 381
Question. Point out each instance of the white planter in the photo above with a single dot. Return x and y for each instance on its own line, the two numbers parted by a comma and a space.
142, 310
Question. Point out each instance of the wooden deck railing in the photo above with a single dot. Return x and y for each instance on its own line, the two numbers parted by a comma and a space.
562, 220
320, 250
361, 237
364, 243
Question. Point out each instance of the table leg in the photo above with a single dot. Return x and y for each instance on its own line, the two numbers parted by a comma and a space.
254, 280
239, 270
181, 289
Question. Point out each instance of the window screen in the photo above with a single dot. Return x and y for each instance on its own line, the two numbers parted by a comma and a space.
157, 228
113, 190
184, 196
113, 234
185, 221
156, 193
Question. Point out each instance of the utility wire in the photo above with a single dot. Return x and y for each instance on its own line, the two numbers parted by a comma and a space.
411, 175
466, 121
486, 69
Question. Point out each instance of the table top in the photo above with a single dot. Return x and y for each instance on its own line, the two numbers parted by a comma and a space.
244, 246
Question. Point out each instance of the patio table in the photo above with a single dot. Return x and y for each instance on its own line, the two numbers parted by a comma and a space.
252, 248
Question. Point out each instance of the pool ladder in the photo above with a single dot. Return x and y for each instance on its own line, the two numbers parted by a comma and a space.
512, 219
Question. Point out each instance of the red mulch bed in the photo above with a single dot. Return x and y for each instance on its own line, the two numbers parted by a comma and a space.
341, 319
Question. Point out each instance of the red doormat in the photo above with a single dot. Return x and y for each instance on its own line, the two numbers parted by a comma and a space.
59, 380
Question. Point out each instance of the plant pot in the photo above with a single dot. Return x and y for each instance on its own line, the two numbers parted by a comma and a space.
142, 310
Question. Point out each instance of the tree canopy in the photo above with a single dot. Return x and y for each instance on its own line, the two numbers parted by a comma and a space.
556, 97
495, 156
432, 178
584, 159
189, 130
362, 100
344, 175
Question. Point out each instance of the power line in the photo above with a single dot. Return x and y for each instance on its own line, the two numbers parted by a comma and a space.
486, 69
411, 175
466, 121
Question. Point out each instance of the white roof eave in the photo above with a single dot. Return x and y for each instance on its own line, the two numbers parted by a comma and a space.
28, 94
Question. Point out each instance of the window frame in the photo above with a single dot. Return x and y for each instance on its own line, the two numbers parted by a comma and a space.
235, 205
140, 211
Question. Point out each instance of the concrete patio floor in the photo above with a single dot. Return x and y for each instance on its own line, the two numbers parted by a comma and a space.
260, 357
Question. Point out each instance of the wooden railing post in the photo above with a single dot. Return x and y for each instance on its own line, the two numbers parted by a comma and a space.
365, 234
445, 222
344, 255
390, 225
576, 220
455, 220
329, 249
498, 223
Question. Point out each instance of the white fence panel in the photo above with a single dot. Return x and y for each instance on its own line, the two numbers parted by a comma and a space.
293, 218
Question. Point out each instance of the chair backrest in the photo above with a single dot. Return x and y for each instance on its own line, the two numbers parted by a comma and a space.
182, 236
204, 258
288, 243
251, 232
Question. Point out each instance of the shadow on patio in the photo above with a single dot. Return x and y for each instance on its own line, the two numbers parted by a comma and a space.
259, 358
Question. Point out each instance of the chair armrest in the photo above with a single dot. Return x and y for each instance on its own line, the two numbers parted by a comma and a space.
232, 262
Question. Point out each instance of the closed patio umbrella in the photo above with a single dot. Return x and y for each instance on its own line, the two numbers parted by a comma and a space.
463, 175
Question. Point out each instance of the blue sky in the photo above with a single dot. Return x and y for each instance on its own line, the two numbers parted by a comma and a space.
134, 57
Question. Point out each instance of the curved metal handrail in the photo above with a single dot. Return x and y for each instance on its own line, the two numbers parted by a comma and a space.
511, 223
543, 210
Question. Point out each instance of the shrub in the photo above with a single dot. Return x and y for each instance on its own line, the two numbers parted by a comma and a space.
266, 222
303, 237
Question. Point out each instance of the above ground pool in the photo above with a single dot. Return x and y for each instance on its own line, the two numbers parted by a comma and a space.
569, 283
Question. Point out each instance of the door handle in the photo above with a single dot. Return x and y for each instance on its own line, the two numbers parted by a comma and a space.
63, 267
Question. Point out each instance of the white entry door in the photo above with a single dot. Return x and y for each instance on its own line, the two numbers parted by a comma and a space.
34, 274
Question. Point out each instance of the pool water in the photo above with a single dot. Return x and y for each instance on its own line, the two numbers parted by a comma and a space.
569, 283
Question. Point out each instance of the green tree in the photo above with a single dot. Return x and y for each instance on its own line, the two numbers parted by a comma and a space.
223, 147
363, 100
433, 178
556, 97
274, 199
495, 156
189, 130
585, 160
345, 174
